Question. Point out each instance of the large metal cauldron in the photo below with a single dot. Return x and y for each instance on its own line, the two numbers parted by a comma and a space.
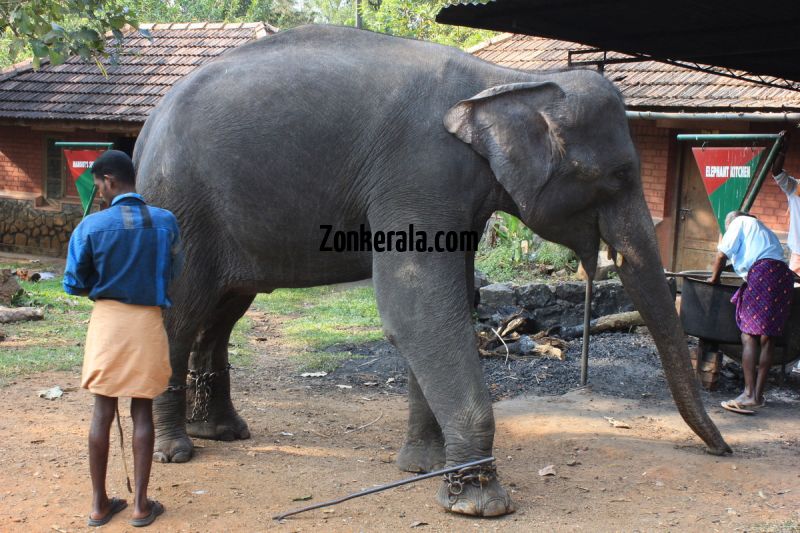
707, 313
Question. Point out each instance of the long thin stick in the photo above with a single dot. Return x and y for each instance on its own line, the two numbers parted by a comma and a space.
587, 319
392, 485
122, 447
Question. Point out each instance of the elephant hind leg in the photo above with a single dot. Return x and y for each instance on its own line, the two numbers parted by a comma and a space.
209, 408
423, 450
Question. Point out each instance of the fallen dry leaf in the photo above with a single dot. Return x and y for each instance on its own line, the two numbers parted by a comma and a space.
549, 470
617, 423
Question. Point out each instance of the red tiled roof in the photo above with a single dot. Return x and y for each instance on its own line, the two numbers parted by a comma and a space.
646, 85
77, 90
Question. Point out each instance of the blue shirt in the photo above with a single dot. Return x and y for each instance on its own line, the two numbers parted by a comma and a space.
129, 252
746, 241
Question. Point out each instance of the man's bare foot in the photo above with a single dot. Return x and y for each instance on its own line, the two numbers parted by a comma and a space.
747, 401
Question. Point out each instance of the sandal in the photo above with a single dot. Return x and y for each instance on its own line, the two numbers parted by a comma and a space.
117, 505
156, 510
734, 407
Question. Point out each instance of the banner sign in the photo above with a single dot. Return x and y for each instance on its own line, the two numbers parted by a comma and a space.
726, 174
79, 164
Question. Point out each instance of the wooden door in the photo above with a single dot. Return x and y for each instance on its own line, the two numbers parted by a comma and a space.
697, 229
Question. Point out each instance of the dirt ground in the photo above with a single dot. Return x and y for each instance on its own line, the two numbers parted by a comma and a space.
318, 440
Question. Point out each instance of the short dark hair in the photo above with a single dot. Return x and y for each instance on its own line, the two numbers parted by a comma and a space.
117, 164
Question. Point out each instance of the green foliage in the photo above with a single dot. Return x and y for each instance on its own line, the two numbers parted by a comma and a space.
416, 18
499, 266
318, 318
509, 231
510, 251
55, 343
57, 29
279, 13
555, 255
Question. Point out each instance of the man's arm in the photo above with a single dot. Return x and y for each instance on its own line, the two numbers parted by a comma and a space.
719, 264
79, 274
787, 183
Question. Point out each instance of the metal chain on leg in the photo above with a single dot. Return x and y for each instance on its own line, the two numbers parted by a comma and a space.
202, 383
477, 476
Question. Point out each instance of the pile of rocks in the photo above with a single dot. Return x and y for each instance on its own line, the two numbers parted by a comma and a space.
547, 305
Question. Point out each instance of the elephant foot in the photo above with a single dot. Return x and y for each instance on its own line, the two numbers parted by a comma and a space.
475, 492
225, 426
173, 450
421, 456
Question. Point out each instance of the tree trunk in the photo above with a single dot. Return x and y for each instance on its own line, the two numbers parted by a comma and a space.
18, 314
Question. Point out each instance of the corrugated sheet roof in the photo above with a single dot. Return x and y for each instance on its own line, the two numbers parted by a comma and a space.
77, 90
646, 85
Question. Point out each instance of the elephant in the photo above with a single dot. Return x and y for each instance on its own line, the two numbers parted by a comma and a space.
256, 151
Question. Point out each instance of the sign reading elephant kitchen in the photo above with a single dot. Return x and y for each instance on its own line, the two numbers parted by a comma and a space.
79, 164
726, 174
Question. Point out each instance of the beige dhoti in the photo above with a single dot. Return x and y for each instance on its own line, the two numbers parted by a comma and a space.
127, 352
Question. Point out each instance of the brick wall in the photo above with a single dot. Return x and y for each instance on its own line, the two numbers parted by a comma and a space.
21, 160
653, 146
22, 157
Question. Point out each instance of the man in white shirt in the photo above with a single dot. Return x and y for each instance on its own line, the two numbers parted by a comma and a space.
791, 188
762, 302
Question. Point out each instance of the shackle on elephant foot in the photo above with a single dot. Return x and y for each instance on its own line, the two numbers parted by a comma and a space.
475, 491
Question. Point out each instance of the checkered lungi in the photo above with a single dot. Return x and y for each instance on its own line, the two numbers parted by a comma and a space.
764, 301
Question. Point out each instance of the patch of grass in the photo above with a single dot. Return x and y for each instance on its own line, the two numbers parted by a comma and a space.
55, 343
323, 361
320, 317
498, 265
241, 351
555, 255
790, 526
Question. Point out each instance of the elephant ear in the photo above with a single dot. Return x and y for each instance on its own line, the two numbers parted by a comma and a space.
513, 127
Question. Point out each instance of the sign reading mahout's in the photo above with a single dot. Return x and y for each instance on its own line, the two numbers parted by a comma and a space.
726, 174
79, 164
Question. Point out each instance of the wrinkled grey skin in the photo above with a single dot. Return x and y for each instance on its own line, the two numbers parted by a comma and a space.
326, 125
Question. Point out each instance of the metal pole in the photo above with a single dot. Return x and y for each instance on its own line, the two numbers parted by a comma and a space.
727, 136
392, 485
587, 317
359, 21
747, 203
750, 117
65, 144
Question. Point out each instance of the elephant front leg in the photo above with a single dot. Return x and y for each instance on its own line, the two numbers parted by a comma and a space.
423, 450
419, 296
210, 413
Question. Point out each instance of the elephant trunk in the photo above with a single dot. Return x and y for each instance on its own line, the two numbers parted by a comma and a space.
628, 229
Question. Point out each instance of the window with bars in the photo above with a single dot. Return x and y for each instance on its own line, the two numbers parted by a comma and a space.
55, 178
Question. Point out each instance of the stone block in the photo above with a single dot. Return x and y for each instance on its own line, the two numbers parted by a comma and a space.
534, 296
547, 317
20, 239
572, 292
609, 297
497, 294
